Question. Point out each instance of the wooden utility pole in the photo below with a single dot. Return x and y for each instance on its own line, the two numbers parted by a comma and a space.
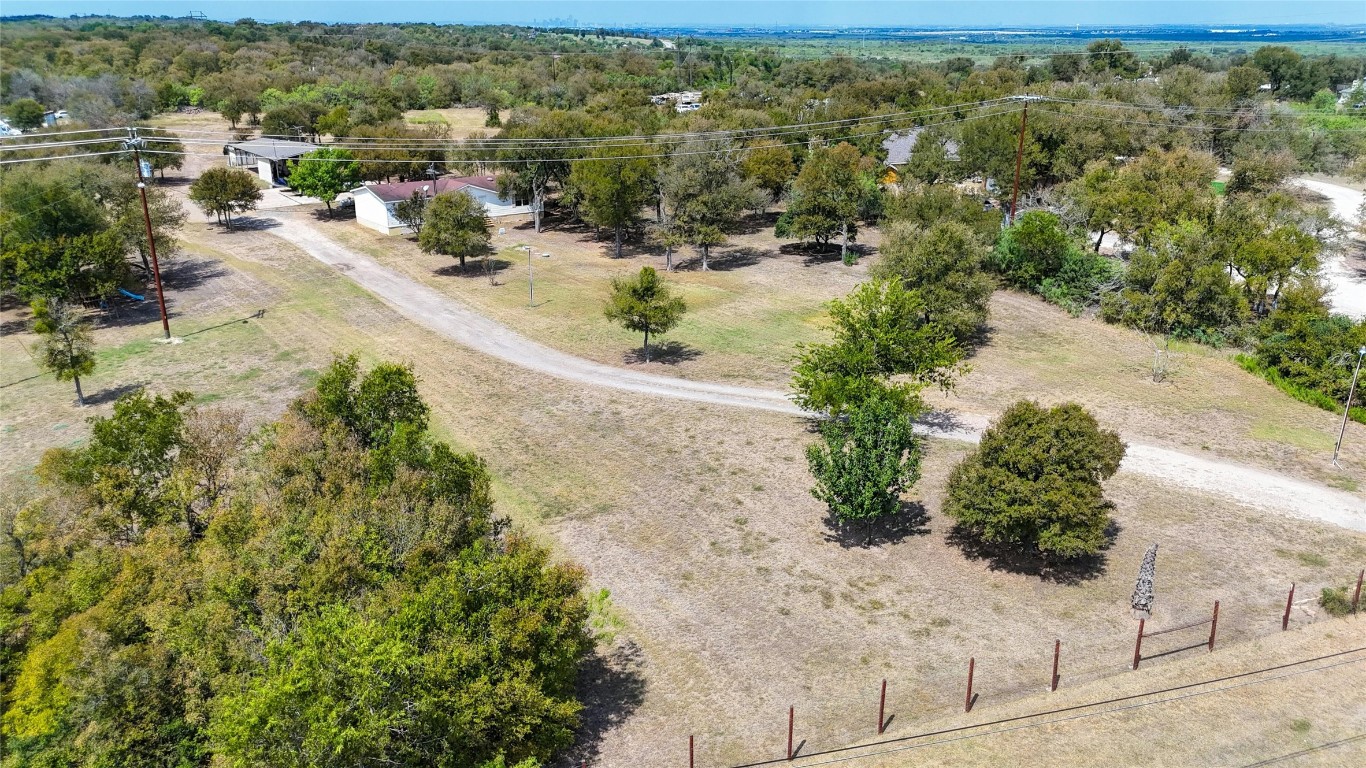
134, 141
1019, 160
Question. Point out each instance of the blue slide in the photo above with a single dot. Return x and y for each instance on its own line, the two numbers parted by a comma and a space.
131, 295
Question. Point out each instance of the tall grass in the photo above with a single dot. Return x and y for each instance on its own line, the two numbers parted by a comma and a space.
1297, 391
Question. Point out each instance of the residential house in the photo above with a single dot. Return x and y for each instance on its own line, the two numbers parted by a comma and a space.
270, 157
899, 147
375, 202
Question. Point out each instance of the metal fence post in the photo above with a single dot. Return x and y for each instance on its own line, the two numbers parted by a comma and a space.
882, 707
1057, 651
1289, 600
790, 711
690, 751
1138, 644
1214, 625
967, 702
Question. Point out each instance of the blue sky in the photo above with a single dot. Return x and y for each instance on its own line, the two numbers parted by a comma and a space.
827, 13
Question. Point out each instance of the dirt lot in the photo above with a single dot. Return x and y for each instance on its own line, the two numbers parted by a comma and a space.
736, 599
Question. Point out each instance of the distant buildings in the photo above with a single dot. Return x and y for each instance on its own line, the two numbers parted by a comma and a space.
683, 101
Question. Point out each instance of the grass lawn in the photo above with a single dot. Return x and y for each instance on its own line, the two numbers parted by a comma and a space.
737, 600
462, 121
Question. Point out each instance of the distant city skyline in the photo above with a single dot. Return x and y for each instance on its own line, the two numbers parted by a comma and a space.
750, 13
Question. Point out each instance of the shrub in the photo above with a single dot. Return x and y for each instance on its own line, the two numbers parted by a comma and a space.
1335, 601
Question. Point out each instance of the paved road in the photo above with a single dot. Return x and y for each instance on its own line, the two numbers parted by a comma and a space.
444, 315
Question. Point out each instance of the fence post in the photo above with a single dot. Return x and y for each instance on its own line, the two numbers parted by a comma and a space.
882, 707
1057, 650
690, 752
967, 702
1138, 644
1356, 598
790, 711
1289, 600
1214, 625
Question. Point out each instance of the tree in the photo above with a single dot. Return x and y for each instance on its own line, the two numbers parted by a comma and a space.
929, 161
1279, 62
324, 174
1032, 250
67, 268
1034, 482
832, 191
924, 205
1098, 197
38, 204
221, 192
611, 191
456, 224
24, 114
861, 466
1241, 83
769, 166
644, 304
944, 265
1109, 55
880, 332
413, 211
66, 349
704, 197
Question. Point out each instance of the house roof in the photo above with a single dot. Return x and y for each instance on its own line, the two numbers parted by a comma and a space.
274, 149
392, 193
899, 146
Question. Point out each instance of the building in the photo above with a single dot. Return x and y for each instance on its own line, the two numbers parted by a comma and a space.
270, 157
899, 147
683, 101
375, 202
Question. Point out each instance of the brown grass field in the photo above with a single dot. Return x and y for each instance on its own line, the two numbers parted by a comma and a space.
735, 598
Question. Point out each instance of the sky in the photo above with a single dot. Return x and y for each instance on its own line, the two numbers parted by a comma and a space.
806, 13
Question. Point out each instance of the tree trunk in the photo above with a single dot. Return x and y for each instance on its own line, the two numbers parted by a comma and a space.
1103, 232
668, 258
618, 241
462, 262
80, 396
146, 266
647, 345
328, 203
705, 248
536, 210
844, 241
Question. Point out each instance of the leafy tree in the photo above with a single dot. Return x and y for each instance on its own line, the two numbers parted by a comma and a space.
221, 192
370, 408
861, 466
336, 122
1241, 83
1099, 198
413, 211
611, 191
38, 204
68, 268
66, 349
704, 197
644, 304
1163, 188
769, 166
924, 205
1259, 173
929, 161
1032, 250
1109, 55
456, 224
324, 174
1279, 62
944, 265
880, 332
1034, 482
24, 114
830, 194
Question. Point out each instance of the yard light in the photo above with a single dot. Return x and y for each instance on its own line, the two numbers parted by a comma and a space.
530, 279
1347, 406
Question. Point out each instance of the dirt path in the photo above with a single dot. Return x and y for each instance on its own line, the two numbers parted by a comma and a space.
1348, 291
1246, 485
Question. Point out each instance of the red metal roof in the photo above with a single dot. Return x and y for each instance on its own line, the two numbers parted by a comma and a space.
392, 193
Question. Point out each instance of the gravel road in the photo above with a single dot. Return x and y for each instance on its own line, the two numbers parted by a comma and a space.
446, 316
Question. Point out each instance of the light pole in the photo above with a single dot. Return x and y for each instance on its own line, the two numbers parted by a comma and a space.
1347, 406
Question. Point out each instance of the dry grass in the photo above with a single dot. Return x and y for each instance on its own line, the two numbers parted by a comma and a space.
462, 121
736, 597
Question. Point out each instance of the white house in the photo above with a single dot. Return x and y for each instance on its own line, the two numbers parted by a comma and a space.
375, 202
270, 157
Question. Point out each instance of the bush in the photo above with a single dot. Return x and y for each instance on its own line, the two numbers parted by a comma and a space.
1301, 393
1035, 481
1335, 601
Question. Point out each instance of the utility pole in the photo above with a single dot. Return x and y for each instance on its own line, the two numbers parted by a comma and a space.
134, 142
1019, 156
1347, 406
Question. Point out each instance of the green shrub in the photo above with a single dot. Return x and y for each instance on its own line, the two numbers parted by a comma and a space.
1335, 601
1301, 393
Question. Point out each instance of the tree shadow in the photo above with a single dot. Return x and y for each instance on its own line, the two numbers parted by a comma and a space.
815, 254
113, 393
668, 353
252, 224
611, 687
1013, 559
941, 421
911, 520
184, 274
475, 268
339, 213
725, 261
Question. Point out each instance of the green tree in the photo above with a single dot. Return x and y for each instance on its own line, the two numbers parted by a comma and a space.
861, 466
65, 349
456, 224
1032, 250
68, 268
644, 304
832, 191
324, 174
1109, 55
1099, 199
1279, 62
24, 114
880, 333
944, 265
221, 192
1241, 83
924, 205
769, 166
413, 211
704, 197
38, 204
611, 191
1034, 482
929, 161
